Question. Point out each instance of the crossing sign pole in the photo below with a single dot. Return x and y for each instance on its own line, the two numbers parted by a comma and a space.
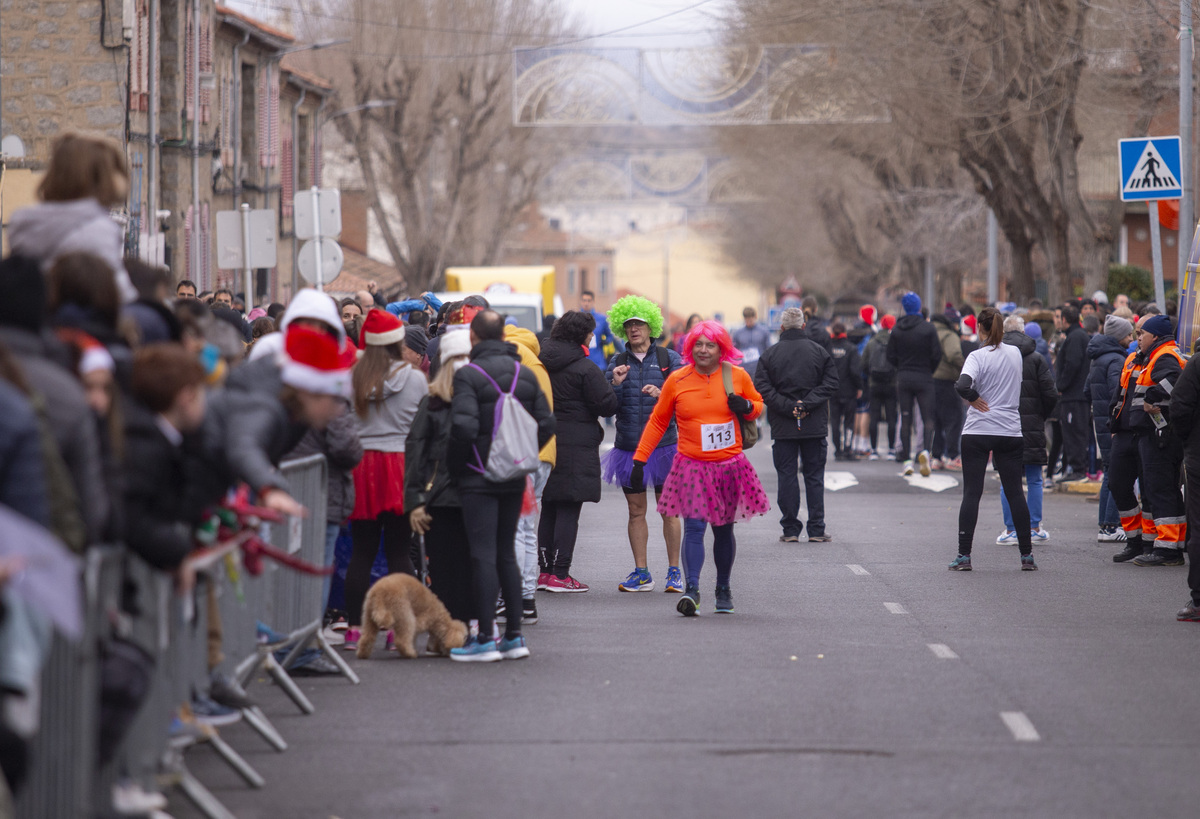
1151, 168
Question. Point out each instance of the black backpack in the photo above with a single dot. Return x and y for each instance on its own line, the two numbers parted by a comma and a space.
880, 368
664, 359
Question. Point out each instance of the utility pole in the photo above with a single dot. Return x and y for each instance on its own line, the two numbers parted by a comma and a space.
993, 258
1187, 204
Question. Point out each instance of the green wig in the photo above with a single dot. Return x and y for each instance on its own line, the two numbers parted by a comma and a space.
634, 307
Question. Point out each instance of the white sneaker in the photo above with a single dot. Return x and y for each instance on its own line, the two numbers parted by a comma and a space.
1006, 538
1117, 535
908, 468
1039, 535
131, 799
923, 461
335, 637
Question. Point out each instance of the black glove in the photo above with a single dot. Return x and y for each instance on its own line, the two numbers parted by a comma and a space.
739, 405
637, 479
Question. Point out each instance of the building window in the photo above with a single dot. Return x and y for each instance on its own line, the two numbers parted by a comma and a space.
572, 277
605, 283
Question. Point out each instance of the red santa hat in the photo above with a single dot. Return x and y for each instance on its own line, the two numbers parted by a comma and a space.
969, 322
313, 362
381, 329
868, 313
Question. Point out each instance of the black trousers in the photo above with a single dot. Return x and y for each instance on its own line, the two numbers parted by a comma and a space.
491, 523
1076, 420
1007, 456
450, 561
812, 453
558, 529
841, 422
365, 536
1193, 524
883, 404
947, 419
912, 388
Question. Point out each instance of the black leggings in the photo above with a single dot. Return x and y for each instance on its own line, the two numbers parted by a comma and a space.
912, 388
558, 529
364, 537
450, 561
883, 403
491, 524
1008, 458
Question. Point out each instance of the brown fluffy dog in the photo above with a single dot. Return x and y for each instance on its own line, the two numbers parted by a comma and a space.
402, 603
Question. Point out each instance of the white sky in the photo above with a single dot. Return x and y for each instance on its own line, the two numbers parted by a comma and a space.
680, 29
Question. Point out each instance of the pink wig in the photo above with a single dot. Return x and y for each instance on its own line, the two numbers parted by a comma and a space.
712, 331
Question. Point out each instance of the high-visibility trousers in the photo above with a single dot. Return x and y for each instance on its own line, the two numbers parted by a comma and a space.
1124, 469
1161, 491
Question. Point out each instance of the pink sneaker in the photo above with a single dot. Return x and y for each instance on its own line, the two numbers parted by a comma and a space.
568, 586
353, 635
390, 645
544, 581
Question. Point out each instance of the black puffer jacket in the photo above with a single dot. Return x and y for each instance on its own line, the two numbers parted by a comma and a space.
797, 369
473, 412
1039, 396
1184, 409
581, 395
1072, 364
427, 481
914, 348
1104, 381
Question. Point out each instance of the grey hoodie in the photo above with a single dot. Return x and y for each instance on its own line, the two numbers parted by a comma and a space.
386, 426
51, 229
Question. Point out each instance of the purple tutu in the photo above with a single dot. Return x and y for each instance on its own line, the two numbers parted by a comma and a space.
618, 465
717, 492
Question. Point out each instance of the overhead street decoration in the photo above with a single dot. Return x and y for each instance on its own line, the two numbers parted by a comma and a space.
685, 177
734, 85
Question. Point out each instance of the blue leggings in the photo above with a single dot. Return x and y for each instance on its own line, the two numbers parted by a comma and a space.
724, 549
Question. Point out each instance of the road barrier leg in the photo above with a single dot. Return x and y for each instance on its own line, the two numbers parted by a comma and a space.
257, 720
234, 759
337, 660
288, 685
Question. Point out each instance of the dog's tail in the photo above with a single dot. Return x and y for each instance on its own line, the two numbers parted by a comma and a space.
376, 611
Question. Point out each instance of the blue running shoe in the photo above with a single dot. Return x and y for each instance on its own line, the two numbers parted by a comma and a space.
514, 649
1027, 564
674, 580
1006, 538
476, 651
639, 580
962, 563
690, 600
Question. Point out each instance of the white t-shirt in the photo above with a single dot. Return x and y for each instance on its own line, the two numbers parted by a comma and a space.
996, 373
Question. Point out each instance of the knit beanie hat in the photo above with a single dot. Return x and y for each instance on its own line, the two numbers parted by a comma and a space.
312, 362
1034, 330
888, 321
416, 340
1159, 325
1117, 327
868, 313
380, 329
953, 315
911, 303
315, 305
454, 343
24, 289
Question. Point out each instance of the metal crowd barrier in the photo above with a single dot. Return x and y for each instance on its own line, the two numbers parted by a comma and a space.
124, 598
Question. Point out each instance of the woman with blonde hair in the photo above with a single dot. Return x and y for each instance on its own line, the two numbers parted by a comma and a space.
387, 391
431, 495
87, 179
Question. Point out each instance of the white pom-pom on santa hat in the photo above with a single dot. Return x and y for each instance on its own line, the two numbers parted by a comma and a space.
313, 362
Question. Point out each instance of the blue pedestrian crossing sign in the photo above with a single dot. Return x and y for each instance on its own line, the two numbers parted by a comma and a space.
1150, 169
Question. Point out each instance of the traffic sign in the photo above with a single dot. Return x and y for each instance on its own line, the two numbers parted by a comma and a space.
331, 261
231, 244
1150, 169
318, 213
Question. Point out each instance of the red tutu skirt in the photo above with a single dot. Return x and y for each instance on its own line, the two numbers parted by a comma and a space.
717, 492
378, 485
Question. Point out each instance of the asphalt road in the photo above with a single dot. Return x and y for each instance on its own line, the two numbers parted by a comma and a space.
858, 678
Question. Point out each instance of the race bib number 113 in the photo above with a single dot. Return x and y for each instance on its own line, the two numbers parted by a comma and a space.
715, 437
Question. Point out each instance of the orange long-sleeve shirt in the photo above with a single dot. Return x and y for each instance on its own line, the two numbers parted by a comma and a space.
701, 413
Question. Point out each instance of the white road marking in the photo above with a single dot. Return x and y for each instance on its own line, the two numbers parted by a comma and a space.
942, 651
1022, 729
839, 480
934, 483
895, 608
854, 567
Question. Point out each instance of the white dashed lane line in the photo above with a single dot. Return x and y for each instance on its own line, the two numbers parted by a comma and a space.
942, 651
1022, 729
854, 567
895, 608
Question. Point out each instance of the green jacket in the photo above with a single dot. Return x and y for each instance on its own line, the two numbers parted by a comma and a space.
952, 355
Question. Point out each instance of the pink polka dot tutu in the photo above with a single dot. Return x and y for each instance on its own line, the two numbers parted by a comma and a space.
717, 492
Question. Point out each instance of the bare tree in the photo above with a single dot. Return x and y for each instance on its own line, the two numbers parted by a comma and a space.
444, 168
